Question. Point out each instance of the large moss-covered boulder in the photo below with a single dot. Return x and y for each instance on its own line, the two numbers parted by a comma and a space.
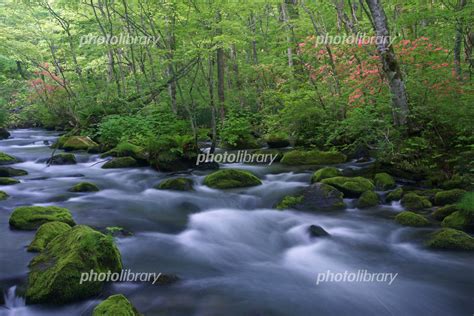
450, 239
8, 181
12, 172
3, 196
6, 159
55, 274
231, 178
62, 159
383, 181
32, 217
312, 157
4, 134
448, 197
177, 184
115, 305
278, 140
459, 220
126, 149
74, 143
316, 197
408, 218
368, 199
46, 233
415, 202
324, 173
120, 162
394, 195
351, 187
84, 187
441, 212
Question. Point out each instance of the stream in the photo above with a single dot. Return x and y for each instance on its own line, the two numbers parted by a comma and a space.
234, 253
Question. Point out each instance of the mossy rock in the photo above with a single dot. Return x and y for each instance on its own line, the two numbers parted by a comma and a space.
32, 217
4, 134
450, 239
289, 201
429, 194
325, 173
84, 187
231, 178
415, 202
458, 220
115, 305
177, 184
120, 162
395, 195
408, 218
383, 181
55, 274
441, 212
62, 159
3, 196
6, 159
12, 172
312, 157
76, 143
126, 149
368, 199
248, 142
448, 197
60, 141
8, 181
316, 197
277, 140
351, 187
46, 233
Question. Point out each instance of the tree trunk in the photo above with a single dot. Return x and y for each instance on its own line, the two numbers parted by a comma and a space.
220, 73
390, 64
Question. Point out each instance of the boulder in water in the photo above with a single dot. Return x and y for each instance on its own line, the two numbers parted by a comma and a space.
75, 143
231, 178
448, 197
4, 134
120, 162
62, 159
384, 181
6, 159
415, 202
8, 181
12, 172
84, 187
368, 199
178, 184
316, 197
3, 196
451, 239
317, 231
46, 233
32, 217
324, 173
115, 305
351, 187
408, 218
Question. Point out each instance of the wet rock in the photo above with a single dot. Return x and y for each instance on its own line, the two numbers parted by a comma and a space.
316, 197
4, 134
231, 178
325, 173
441, 212
211, 165
312, 157
448, 197
120, 162
317, 231
415, 202
46, 233
127, 150
76, 143
55, 274
178, 184
115, 305
84, 187
32, 217
3, 196
8, 181
451, 239
459, 220
368, 199
62, 159
384, 181
407, 218
351, 187
6, 159
277, 140
395, 195
12, 172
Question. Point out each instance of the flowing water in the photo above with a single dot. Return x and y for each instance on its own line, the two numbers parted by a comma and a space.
234, 254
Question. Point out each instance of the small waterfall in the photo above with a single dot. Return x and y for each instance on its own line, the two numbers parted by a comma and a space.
11, 299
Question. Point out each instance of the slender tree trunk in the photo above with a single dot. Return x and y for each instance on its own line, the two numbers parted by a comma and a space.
212, 105
220, 72
390, 64
458, 39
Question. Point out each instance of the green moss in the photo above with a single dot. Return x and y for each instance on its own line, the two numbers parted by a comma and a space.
411, 219
126, 149
63, 159
289, 201
368, 199
467, 203
458, 220
449, 238
79, 143
32, 217
441, 212
178, 184
8, 181
414, 202
277, 140
84, 187
3, 196
46, 233
324, 173
60, 141
231, 178
351, 187
55, 273
448, 197
384, 181
120, 162
115, 305
6, 159
395, 195
12, 172
312, 157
